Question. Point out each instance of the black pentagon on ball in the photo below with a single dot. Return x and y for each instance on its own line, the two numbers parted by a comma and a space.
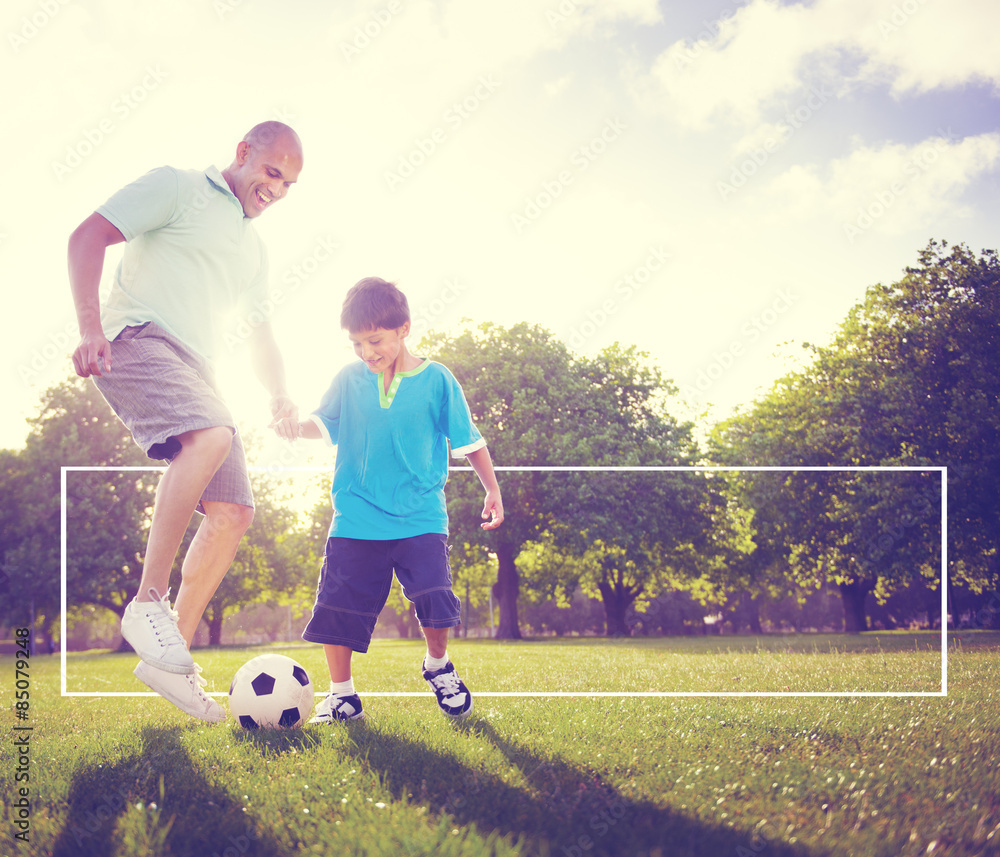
247, 722
263, 684
289, 717
300, 675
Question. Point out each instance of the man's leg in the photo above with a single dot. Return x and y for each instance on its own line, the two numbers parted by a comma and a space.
177, 496
206, 563
208, 559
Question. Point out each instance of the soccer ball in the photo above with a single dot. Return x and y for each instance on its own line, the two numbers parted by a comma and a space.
271, 691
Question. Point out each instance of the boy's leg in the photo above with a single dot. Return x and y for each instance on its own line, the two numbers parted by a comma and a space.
421, 564
437, 642
354, 583
453, 697
338, 659
342, 703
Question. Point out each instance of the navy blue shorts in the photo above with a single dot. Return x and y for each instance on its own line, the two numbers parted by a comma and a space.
355, 580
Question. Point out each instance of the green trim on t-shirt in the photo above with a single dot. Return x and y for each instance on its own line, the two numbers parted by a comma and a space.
385, 398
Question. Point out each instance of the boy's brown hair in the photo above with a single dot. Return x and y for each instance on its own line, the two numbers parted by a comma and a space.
372, 303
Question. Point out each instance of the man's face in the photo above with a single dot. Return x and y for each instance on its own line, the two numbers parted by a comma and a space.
264, 173
379, 348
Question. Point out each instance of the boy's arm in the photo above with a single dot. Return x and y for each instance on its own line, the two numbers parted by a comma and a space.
309, 429
290, 429
482, 463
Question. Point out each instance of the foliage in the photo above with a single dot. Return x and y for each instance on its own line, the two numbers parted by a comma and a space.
908, 381
74, 427
541, 407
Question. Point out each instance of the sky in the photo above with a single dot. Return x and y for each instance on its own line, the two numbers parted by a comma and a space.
714, 183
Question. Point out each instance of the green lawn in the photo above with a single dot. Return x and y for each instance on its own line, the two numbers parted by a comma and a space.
565, 776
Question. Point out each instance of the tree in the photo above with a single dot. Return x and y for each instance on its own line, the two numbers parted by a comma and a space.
909, 380
539, 406
934, 337
638, 533
73, 428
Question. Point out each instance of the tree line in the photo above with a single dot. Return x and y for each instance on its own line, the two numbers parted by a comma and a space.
604, 501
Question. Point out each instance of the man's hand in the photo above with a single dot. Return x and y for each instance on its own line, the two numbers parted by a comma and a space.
284, 417
87, 246
92, 355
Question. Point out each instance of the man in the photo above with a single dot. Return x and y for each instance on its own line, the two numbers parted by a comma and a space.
192, 257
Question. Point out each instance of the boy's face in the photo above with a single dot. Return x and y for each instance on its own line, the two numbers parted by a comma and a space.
379, 348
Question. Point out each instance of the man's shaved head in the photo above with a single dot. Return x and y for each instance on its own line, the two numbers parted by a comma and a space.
265, 133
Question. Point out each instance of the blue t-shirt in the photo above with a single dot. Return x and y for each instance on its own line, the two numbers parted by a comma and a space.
392, 449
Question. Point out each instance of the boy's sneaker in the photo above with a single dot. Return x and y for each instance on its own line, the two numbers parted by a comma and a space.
452, 695
334, 708
150, 627
184, 691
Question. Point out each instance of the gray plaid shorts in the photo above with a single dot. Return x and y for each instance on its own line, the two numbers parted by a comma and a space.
159, 388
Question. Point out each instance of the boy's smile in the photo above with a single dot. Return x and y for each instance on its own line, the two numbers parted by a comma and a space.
382, 350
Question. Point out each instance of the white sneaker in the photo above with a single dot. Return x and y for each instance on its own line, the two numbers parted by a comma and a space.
184, 691
150, 627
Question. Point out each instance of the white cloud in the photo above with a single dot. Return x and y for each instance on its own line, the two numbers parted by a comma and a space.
893, 188
755, 56
553, 88
744, 61
767, 135
924, 45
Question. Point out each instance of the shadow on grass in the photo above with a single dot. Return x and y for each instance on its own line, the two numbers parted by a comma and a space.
562, 810
122, 807
276, 742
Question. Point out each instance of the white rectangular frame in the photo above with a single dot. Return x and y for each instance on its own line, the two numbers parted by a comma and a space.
943, 471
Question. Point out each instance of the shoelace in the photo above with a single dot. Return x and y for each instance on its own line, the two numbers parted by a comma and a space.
199, 681
165, 621
447, 682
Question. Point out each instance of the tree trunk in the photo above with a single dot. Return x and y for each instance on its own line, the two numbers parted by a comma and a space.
506, 591
214, 622
753, 613
616, 600
854, 596
615, 608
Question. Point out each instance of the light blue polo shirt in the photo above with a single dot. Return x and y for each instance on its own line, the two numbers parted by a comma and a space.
191, 257
392, 449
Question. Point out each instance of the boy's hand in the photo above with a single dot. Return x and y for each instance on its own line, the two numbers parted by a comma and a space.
285, 417
492, 511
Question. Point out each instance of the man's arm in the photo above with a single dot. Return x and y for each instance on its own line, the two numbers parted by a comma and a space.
87, 246
482, 463
270, 369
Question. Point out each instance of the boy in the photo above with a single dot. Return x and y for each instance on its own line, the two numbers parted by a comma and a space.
392, 417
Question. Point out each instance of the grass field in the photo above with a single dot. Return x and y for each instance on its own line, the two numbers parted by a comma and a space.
605, 775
